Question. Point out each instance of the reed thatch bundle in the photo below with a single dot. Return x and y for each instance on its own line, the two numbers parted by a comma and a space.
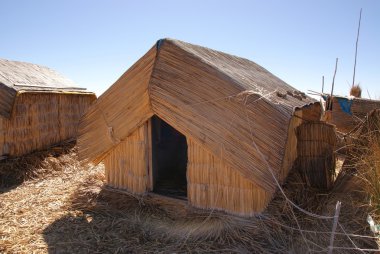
316, 158
356, 91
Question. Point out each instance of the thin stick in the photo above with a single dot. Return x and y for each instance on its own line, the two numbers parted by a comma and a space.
369, 96
323, 83
332, 86
333, 81
335, 223
356, 49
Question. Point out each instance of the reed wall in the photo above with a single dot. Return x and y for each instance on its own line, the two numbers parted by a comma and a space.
212, 184
71, 108
126, 166
316, 157
40, 120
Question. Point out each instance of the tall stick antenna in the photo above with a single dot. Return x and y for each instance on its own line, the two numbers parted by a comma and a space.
356, 49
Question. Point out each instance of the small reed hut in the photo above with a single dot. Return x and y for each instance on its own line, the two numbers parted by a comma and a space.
347, 112
190, 122
38, 108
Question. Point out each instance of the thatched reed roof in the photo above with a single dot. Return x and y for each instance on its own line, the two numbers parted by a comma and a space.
19, 77
32, 77
245, 74
222, 101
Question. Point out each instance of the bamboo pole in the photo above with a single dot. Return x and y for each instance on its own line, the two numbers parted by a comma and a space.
356, 47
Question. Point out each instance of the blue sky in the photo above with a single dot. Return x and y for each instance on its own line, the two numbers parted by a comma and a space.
93, 42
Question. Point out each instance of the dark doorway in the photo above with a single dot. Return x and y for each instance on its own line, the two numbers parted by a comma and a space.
169, 157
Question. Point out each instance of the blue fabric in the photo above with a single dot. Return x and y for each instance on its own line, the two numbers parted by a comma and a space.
345, 105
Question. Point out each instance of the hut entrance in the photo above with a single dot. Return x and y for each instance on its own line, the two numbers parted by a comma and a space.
169, 157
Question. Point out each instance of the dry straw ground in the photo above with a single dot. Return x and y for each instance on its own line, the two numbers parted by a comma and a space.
58, 206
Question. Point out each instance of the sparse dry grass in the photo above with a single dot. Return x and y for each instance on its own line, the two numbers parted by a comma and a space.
366, 159
68, 210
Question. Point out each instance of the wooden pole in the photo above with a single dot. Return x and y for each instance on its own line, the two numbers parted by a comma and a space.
323, 83
335, 223
356, 49
333, 81
369, 96
332, 86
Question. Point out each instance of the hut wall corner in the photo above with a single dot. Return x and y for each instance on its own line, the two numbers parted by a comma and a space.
308, 113
291, 145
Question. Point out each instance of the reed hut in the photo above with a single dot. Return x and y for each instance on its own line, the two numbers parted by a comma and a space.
347, 112
193, 123
38, 108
